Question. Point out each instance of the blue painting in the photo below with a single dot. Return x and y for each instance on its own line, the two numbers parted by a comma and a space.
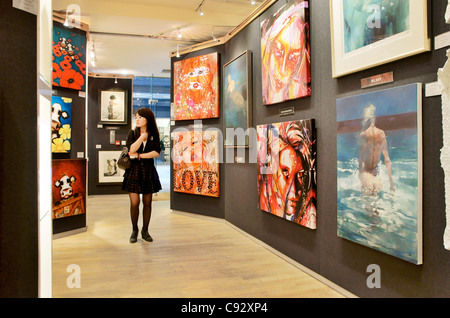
379, 175
236, 100
369, 21
61, 124
69, 58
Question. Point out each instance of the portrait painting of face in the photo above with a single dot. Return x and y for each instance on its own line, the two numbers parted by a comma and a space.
286, 163
196, 162
196, 87
285, 54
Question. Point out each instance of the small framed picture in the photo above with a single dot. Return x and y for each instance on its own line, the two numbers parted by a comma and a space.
113, 107
108, 170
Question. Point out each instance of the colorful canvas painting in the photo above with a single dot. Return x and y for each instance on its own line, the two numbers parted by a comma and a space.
69, 58
196, 87
285, 54
61, 124
195, 158
237, 99
379, 171
286, 163
69, 187
371, 21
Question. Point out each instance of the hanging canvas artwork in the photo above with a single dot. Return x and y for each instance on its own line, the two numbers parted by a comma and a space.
379, 171
285, 54
196, 87
69, 58
108, 170
286, 163
237, 100
195, 158
113, 107
61, 124
69, 187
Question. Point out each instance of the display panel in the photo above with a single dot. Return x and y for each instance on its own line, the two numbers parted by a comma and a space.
365, 34
61, 124
287, 170
196, 87
379, 170
195, 158
285, 54
69, 187
69, 58
237, 100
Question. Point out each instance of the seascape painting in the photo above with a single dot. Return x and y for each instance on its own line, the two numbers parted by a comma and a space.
379, 171
286, 163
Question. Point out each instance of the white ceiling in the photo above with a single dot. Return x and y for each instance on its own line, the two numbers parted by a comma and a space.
135, 37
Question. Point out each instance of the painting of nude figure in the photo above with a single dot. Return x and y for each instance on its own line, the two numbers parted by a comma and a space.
379, 170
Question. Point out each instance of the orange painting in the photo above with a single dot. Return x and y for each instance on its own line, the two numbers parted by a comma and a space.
196, 87
196, 163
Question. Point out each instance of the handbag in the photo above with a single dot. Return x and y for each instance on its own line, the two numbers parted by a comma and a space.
124, 161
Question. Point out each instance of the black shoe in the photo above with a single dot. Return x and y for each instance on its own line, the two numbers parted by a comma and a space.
146, 236
133, 237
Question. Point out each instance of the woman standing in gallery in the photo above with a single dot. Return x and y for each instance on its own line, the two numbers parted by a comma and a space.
142, 178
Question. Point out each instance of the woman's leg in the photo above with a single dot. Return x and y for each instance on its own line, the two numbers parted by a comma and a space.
147, 212
134, 210
147, 198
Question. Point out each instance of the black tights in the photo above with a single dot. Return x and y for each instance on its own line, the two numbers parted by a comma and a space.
134, 210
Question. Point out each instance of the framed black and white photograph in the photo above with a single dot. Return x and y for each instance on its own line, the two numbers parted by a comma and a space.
113, 107
108, 170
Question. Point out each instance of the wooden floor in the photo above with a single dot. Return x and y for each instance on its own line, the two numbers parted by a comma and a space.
190, 257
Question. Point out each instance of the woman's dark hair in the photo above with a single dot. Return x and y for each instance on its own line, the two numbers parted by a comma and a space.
152, 128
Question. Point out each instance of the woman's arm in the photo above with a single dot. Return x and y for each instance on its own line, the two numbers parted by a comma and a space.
149, 155
135, 146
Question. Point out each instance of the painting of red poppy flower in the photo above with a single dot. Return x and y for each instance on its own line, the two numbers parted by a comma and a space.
69, 57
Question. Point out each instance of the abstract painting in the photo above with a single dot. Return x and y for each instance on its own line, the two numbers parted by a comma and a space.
69, 187
196, 87
237, 100
379, 171
285, 54
368, 33
69, 58
195, 158
61, 124
286, 163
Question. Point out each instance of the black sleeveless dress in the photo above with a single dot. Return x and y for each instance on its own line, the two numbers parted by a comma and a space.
142, 176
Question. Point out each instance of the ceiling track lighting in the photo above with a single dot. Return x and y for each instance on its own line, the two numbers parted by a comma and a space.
199, 8
115, 80
212, 31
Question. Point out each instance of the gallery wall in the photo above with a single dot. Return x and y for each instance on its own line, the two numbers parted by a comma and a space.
18, 145
99, 134
338, 260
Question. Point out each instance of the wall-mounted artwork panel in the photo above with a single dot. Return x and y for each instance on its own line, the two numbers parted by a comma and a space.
286, 163
196, 87
195, 156
61, 124
379, 170
365, 34
69, 187
237, 100
285, 53
69, 57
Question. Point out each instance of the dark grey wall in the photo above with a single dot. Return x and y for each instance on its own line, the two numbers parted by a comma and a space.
18, 159
338, 260
100, 136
